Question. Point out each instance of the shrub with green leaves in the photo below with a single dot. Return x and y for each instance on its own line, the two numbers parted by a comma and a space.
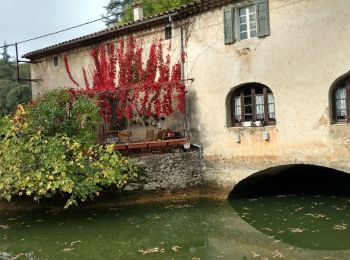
41, 159
59, 112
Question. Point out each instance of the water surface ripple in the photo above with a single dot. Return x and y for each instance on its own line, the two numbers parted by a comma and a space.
294, 227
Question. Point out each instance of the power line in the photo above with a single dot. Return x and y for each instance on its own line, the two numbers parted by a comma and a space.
129, 7
7, 45
63, 30
60, 31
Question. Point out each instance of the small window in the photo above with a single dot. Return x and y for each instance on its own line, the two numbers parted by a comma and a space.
55, 61
251, 103
168, 32
341, 101
247, 22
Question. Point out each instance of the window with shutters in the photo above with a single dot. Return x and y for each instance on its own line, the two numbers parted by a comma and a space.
253, 103
341, 101
246, 21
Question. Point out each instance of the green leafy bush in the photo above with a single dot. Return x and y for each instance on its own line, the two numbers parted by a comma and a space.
59, 112
41, 158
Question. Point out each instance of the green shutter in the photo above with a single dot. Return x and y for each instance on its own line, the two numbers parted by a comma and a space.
229, 25
262, 7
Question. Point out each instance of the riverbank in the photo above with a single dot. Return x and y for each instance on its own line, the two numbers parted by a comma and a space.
162, 177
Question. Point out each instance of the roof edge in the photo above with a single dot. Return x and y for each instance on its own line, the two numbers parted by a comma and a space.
178, 13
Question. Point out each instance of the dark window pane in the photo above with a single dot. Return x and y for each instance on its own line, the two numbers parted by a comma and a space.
259, 90
247, 100
168, 33
247, 91
55, 61
248, 109
248, 118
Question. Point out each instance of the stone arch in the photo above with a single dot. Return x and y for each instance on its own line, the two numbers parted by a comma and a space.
228, 101
331, 94
293, 178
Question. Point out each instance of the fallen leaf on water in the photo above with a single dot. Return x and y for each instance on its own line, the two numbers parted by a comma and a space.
68, 249
5, 227
75, 242
152, 250
340, 227
16, 256
296, 230
276, 253
315, 215
175, 248
339, 208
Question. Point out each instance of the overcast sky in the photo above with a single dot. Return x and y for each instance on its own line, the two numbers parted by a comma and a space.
24, 19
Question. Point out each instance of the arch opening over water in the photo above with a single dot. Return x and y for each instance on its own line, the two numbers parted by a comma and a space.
303, 206
294, 179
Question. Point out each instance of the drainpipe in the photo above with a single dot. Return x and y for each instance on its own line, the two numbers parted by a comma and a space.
183, 80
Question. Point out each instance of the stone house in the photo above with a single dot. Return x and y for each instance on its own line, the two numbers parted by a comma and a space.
271, 82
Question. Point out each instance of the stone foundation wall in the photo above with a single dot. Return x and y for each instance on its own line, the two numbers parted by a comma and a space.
170, 172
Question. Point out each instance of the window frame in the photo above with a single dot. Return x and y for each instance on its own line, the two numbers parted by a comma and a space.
240, 92
343, 83
237, 23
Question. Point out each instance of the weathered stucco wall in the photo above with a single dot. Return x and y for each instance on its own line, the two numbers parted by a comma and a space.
307, 51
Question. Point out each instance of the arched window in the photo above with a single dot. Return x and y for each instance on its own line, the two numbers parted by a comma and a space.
253, 104
341, 101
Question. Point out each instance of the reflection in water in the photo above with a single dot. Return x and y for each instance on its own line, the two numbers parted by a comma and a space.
312, 222
183, 230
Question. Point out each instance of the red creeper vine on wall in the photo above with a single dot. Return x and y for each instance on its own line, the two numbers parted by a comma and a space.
127, 86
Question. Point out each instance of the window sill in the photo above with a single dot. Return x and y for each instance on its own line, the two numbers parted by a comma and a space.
246, 43
340, 123
250, 127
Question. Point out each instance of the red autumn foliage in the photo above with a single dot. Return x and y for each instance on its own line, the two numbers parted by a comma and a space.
126, 86
68, 71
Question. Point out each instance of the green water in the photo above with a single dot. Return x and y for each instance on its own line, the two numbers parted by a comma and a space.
293, 227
